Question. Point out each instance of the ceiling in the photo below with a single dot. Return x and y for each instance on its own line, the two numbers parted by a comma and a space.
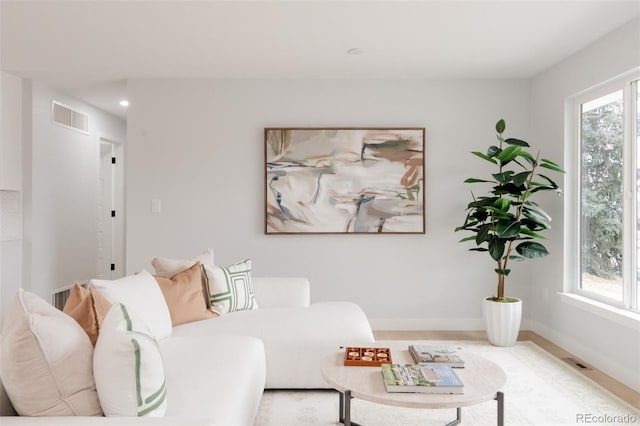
90, 48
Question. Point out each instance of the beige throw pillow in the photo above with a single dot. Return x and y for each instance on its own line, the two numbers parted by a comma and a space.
88, 308
183, 293
47, 361
169, 267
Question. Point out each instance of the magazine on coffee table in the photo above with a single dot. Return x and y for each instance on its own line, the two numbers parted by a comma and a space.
441, 354
432, 378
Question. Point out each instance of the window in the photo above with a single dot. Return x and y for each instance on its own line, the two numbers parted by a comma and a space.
607, 194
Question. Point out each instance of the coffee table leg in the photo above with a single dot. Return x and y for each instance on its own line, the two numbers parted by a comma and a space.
500, 399
458, 418
345, 408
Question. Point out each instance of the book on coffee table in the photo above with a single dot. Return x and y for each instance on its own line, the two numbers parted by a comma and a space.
433, 378
440, 354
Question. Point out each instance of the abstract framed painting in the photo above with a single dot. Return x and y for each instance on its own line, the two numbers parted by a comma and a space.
344, 180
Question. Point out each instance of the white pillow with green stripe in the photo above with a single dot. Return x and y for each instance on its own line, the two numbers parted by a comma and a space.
128, 367
230, 287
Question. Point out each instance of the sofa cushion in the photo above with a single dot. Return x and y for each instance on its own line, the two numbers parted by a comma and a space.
88, 308
220, 378
296, 340
141, 294
128, 367
167, 268
184, 296
47, 361
230, 287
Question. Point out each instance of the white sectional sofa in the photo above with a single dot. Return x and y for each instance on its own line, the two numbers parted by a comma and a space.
217, 369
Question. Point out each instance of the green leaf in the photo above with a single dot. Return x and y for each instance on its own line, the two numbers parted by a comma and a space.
533, 225
551, 182
499, 214
496, 248
502, 204
509, 188
530, 158
507, 228
541, 187
504, 272
536, 213
480, 215
509, 153
500, 126
484, 157
551, 167
483, 234
513, 141
478, 249
471, 238
530, 233
503, 177
532, 250
546, 161
520, 178
516, 258
482, 202
493, 151
474, 180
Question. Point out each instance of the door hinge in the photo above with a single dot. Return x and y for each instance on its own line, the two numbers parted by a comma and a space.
113, 160
113, 213
113, 266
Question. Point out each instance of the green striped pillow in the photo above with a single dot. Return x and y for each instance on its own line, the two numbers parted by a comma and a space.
230, 287
128, 367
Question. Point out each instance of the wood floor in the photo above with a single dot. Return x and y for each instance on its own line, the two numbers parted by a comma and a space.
620, 390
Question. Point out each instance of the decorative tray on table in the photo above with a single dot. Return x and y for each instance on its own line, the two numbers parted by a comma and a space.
367, 357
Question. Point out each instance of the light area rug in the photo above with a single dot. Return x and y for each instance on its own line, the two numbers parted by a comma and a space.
541, 390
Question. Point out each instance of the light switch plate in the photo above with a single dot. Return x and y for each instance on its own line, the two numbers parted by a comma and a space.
156, 206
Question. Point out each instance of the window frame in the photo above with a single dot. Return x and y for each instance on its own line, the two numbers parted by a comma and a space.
628, 83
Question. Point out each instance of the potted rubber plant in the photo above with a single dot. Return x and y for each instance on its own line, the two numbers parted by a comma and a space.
505, 223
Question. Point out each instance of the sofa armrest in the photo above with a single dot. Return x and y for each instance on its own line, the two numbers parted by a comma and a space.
281, 292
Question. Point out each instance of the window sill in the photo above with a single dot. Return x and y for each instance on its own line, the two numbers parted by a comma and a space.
617, 315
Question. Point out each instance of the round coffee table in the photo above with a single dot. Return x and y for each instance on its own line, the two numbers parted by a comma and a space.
483, 380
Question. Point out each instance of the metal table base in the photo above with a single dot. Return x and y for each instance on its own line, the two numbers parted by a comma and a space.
345, 398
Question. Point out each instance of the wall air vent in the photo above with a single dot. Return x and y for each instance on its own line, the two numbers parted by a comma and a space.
577, 364
69, 118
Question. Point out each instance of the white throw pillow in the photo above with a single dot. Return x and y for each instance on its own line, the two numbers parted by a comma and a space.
128, 367
169, 267
230, 287
47, 361
141, 294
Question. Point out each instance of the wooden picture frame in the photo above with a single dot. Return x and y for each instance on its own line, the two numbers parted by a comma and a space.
344, 180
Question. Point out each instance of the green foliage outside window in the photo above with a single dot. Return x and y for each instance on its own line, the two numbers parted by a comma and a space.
602, 190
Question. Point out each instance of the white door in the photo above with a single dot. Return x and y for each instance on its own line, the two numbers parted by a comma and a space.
110, 238
105, 209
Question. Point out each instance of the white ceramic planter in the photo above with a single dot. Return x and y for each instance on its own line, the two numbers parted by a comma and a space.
502, 321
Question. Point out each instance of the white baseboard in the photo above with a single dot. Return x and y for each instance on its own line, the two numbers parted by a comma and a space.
591, 357
415, 324
425, 324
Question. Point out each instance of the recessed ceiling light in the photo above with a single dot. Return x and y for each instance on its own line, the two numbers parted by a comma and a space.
124, 103
355, 51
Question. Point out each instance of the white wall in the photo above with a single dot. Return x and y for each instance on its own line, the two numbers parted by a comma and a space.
197, 145
10, 179
606, 344
60, 179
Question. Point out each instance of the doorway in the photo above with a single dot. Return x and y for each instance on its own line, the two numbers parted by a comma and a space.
110, 238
